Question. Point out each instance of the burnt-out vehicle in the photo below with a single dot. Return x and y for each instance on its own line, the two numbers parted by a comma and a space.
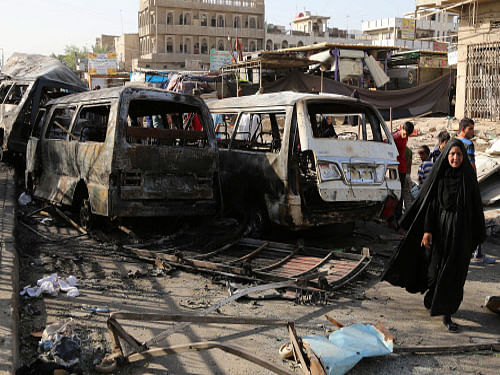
303, 160
31, 81
125, 152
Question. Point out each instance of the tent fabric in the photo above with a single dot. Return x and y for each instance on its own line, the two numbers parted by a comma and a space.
21, 66
430, 97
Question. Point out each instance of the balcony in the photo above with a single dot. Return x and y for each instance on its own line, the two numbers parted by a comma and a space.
165, 58
238, 6
201, 31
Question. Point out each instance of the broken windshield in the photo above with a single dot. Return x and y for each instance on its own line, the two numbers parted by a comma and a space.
350, 121
165, 123
15, 95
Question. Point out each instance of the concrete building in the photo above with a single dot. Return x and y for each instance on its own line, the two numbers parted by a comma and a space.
308, 29
177, 34
127, 50
106, 42
431, 31
478, 68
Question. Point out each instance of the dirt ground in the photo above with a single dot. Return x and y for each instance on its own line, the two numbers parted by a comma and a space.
104, 272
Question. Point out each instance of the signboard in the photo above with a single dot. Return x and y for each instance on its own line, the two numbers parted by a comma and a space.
102, 63
433, 62
219, 58
453, 58
408, 29
439, 46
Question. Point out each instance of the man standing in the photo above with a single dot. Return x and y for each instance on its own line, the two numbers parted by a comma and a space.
401, 139
426, 166
466, 133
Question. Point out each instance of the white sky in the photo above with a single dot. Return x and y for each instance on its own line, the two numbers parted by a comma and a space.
46, 26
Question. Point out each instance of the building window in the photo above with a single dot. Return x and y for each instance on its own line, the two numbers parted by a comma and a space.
252, 23
237, 23
221, 45
284, 44
203, 20
196, 48
204, 47
187, 19
170, 19
170, 45
221, 21
300, 44
213, 22
253, 46
181, 20
269, 45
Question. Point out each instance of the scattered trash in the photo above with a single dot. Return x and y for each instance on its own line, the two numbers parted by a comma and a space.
344, 348
60, 344
24, 199
493, 303
135, 274
96, 309
47, 221
52, 285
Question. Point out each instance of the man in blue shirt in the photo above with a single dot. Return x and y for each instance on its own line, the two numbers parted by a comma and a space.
466, 133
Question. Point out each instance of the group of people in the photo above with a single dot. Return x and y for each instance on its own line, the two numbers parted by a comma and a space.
445, 223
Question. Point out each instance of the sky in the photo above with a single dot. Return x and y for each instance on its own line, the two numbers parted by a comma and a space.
46, 26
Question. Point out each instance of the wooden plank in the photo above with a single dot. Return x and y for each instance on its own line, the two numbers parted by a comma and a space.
298, 349
206, 345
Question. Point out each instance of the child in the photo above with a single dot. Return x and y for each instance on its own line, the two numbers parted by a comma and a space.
426, 166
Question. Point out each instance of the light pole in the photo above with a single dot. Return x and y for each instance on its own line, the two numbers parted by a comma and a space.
347, 25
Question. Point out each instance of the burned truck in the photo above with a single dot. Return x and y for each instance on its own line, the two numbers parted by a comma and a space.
124, 152
303, 160
30, 82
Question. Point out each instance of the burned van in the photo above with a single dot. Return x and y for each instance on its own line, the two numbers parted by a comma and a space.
303, 160
124, 152
32, 81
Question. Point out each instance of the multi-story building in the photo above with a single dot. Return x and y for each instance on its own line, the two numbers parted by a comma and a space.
127, 50
308, 29
478, 67
106, 42
430, 29
175, 33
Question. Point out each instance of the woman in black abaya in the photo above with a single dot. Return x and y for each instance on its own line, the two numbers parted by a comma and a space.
444, 224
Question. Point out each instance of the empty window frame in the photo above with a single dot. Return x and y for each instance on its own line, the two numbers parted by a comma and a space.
91, 124
345, 121
259, 131
161, 123
60, 122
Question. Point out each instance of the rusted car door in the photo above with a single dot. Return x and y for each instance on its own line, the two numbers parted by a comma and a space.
56, 162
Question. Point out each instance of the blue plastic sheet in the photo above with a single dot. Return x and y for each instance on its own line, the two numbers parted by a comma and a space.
346, 347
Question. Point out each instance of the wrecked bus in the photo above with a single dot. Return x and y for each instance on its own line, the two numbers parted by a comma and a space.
303, 160
124, 152
31, 81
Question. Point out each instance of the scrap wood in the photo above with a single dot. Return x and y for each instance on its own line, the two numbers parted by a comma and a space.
70, 220
334, 322
297, 349
489, 346
142, 352
206, 345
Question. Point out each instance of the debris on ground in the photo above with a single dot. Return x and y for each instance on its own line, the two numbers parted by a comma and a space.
51, 285
493, 303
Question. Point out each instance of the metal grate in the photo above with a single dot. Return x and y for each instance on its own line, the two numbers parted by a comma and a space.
483, 81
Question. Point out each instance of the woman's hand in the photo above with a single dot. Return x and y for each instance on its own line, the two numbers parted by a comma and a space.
427, 240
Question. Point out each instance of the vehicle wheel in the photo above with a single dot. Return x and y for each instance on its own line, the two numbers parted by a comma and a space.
258, 221
86, 216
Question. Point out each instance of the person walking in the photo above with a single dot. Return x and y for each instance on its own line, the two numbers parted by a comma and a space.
401, 139
444, 224
443, 138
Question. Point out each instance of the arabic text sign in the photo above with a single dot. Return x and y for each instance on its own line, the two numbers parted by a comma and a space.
218, 59
408, 29
102, 63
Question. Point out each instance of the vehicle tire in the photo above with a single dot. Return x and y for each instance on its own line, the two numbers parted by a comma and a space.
258, 221
86, 216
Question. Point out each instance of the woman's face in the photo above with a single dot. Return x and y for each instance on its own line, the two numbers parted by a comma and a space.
455, 157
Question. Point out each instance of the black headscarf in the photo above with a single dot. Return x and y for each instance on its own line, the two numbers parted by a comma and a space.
447, 188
